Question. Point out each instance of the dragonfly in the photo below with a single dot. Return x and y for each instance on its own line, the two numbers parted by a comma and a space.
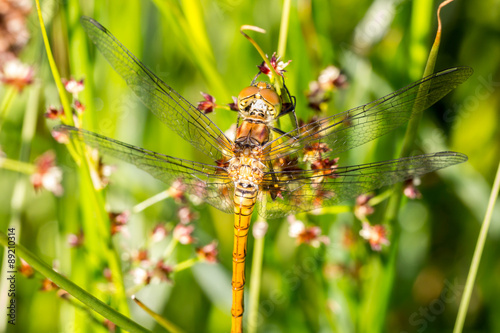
285, 173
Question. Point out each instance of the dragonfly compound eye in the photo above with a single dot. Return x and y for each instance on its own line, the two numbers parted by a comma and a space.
272, 99
246, 96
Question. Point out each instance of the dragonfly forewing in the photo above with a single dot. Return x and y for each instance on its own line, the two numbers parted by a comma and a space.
163, 101
208, 182
362, 124
304, 190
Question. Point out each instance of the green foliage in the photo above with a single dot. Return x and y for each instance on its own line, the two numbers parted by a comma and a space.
196, 46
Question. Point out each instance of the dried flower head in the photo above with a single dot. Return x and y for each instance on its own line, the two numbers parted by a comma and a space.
276, 63
159, 233
259, 229
234, 105
208, 252
375, 235
140, 256
208, 105
54, 113
315, 151
186, 215
25, 269
47, 175
306, 235
104, 172
16, 74
182, 234
363, 207
14, 34
75, 240
140, 276
60, 136
331, 77
111, 327
320, 91
79, 107
73, 86
162, 272
410, 189
119, 221
48, 285
177, 190
324, 168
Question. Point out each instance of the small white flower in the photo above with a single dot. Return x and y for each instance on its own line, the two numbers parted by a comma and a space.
296, 227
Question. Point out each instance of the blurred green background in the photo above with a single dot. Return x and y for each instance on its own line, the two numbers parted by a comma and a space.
196, 46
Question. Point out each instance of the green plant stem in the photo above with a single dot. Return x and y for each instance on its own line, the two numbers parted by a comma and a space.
255, 282
6, 103
285, 19
476, 259
170, 248
169, 326
55, 73
381, 197
19, 195
185, 264
335, 209
80, 294
150, 201
18, 166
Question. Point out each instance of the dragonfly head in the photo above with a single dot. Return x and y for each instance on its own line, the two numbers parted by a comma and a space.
259, 101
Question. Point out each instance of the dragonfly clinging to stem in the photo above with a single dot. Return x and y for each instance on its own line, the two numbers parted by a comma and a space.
259, 167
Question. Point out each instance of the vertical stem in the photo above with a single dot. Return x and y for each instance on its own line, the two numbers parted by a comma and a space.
476, 259
18, 197
259, 230
6, 102
53, 68
285, 18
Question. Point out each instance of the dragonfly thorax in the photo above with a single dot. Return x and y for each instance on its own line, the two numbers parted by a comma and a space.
251, 136
246, 171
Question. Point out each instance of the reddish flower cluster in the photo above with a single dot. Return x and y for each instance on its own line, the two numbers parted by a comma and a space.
363, 207
119, 222
25, 269
306, 235
208, 252
325, 168
208, 105
14, 33
48, 285
177, 191
410, 189
16, 74
75, 240
276, 63
320, 91
376, 235
183, 234
47, 175
159, 233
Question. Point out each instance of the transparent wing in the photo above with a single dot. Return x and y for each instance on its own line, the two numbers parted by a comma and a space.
165, 103
362, 124
210, 183
304, 190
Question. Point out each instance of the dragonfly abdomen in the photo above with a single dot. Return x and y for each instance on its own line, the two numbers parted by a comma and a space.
244, 203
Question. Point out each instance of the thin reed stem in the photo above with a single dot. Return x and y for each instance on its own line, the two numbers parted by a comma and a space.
150, 201
285, 19
476, 259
